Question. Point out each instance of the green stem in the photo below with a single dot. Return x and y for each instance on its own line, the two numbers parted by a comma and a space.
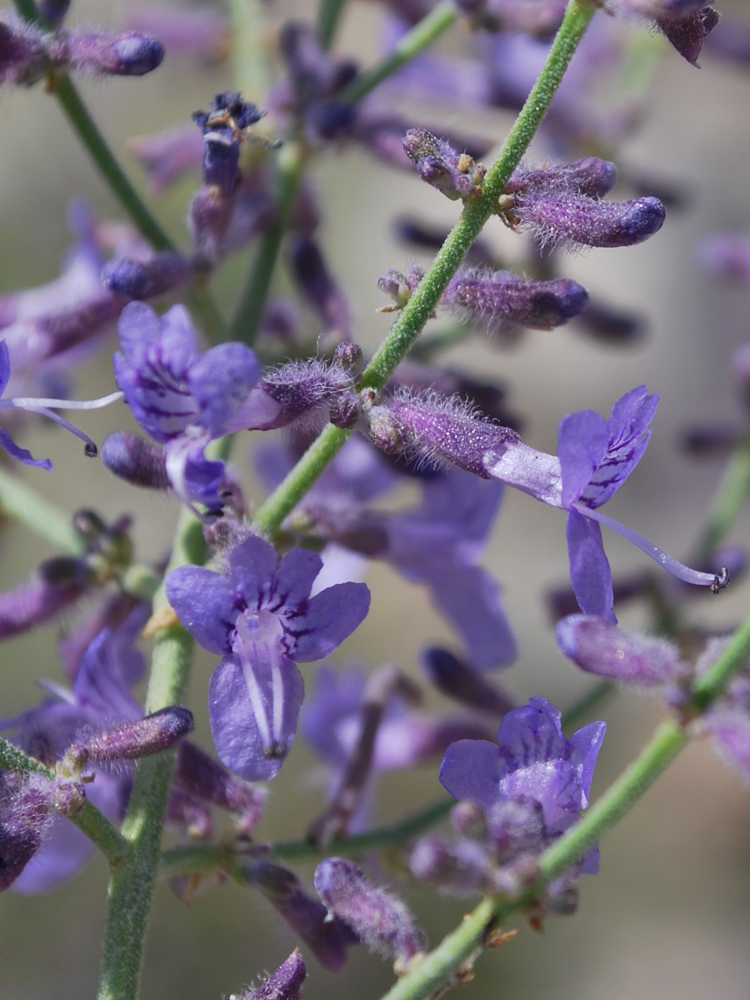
730, 496
88, 132
103, 834
132, 886
21, 502
329, 16
427, 294
707, 688
421, 36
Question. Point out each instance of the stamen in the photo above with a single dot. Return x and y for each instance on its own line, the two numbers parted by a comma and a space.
671, 565
42, 407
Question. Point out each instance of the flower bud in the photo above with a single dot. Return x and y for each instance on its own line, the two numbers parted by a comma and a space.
379, 918
139, 462
155, 733
54, 11
456, 175
299, 390
590, 177
500, 299
456, 679
687, 34
137, 279
461, 869
328, 938
284, 984
574, 220
318, 287
108, 53
605, 650
58, 584
434, 430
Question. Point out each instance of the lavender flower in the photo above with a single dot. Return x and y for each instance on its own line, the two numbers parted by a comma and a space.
261, 619
595, 459
182, 399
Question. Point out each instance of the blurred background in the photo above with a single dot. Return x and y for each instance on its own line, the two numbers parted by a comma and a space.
668, 916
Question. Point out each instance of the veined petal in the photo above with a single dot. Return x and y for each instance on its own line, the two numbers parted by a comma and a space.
254, 704
471, 771
252, 567
582, 446
589, 567
205, 603
331, 617
295, 576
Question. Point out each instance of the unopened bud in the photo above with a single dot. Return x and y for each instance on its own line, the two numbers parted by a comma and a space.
137, 279
456, 679
153, 734
139, 462
379, 917
456, 175
284, 984
109, 53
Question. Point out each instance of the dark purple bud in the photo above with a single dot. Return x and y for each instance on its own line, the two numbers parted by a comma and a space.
155, 733
328, 939
345, 411
688, 34
204, 778
456, 175
54, 11
138, 461
109, 53
579, 221
58, 585
601, 648
318, 287
138, 279
711, 440
499, 299
434, 430
25, 813
610, 325
329, 121
379, 917
591, 177
656, 9
23, 55
462, 869
456, 679
349, 357
284, 984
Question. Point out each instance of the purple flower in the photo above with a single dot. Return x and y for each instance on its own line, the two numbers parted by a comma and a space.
283, 984
532, 760
261, 618
596, 456
182, 399
454, 174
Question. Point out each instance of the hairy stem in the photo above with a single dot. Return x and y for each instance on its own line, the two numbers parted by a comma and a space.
132, 885
427, 294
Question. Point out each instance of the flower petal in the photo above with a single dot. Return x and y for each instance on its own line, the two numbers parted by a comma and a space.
589, 568
206, 605
330, 618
